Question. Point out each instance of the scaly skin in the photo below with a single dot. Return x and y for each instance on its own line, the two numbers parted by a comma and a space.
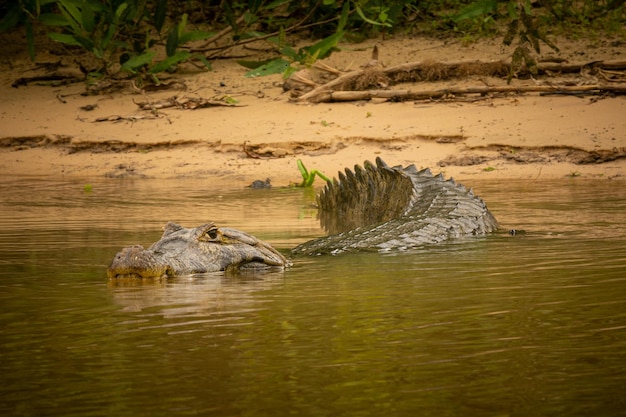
376, 208
381, 208
205, 248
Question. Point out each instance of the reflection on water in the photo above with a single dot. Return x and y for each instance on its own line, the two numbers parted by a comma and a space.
526, 325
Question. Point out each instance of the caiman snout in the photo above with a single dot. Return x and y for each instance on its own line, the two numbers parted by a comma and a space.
135, 262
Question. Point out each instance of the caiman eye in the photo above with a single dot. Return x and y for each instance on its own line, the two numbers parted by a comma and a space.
211, 235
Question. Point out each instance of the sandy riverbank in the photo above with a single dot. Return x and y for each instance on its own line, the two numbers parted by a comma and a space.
44, 131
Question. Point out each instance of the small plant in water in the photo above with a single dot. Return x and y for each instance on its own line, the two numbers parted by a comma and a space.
309, 176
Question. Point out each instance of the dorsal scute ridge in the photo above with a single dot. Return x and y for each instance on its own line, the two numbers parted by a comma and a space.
379, 163
349, 173
359, 173
426, 172
368, 194
350, 182
383, 207
411, 169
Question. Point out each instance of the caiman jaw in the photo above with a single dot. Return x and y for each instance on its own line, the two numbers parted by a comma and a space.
135, 275
135, 262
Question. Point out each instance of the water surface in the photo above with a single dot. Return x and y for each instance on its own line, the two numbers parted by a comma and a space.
496, 326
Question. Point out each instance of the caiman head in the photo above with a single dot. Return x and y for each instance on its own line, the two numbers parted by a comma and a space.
206, 248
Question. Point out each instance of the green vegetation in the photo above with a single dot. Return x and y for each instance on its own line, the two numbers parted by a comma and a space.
142, 38
309, 176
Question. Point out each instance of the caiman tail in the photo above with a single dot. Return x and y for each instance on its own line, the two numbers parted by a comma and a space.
378, 207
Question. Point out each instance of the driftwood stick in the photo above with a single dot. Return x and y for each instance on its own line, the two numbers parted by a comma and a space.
330, 85
396, 73
432, 94
433, 71
569, 68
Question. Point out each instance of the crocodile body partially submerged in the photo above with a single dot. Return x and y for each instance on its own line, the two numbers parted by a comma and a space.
374, 208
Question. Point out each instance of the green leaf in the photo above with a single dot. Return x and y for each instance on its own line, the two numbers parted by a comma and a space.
276, 66
319, 174
368, 20
159, 14
88, 19
512, 10
138, 61
527, 7
282, 37
323, 48
383, 16
275, 39
289, 52
64, 38
302, 169
86, 43
309, 176
476, 9
169, 62
182, 25
73, 15
171, 44
72, 23
120, 10
106, 39
345, 13
52, 19
289, 72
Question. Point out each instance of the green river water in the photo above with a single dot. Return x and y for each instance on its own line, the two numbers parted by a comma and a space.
532, 325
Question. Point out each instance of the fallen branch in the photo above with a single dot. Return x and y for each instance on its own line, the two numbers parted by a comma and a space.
187, 103
116, 118
377, 78
401, 95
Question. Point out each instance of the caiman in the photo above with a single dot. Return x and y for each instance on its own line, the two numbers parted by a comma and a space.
373, 208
